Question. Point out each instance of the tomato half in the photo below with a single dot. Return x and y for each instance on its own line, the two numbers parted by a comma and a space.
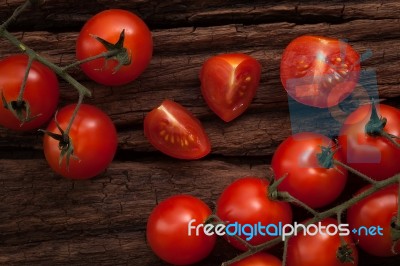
376, 210
319, 71
259, 259
41, 91
319, 249
176, 132
229, 83
94, 140
246, 201
108, 25
306, 180
373, 156
167, 230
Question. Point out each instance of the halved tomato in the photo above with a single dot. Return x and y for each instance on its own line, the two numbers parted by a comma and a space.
229, 83
176, 132
319, 71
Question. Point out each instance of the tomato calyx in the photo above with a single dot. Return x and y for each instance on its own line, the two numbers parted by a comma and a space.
325, 157
64, 144
345, 254
20, 109
116, 51
395, 234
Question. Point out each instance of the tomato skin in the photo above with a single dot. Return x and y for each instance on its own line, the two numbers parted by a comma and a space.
246, 201
319, 249
108, 25
229, 83
94, 139
306, 180
41, 91
173, 130
167, 230
319, 71
259, 259
371, 155
375, 210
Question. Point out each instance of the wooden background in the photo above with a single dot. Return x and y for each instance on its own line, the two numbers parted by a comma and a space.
48, 220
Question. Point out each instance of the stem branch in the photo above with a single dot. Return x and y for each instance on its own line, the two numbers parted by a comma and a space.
354, 171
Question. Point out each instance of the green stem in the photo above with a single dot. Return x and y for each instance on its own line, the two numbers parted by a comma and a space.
354, 171
58, 70
71, 121
16, 13
323, 215
285, 249
107, 54
285, 196
390, 138
23, 85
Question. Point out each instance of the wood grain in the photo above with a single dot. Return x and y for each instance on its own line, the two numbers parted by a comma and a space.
48, 220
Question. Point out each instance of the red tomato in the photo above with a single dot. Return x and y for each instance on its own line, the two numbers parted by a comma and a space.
246, 201
41, 91
94, 140
374, 156
259, 259
319, 71
373, 211
319, 249
229, 83
176, 132
168, 235
306, 180
108, 25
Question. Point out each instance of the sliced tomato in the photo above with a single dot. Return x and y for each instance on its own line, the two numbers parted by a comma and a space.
229, 83
176, 132
319, 71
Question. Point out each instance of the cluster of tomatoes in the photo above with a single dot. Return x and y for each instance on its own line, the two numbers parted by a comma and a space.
316, 71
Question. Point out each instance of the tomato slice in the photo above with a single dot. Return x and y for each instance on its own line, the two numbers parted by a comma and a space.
229, 83
176, 132
319, 71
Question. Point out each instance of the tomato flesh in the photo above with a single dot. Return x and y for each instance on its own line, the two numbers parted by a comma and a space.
319, 71
229, 83
176, 132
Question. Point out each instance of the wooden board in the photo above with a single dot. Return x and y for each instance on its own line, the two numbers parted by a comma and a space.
47, 220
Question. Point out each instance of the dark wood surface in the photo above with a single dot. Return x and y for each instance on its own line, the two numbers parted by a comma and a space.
48, 220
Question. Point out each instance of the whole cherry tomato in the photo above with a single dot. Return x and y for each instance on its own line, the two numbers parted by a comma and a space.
376, 211
229, 83
41, 92
176, 132
320, 247
306, 180
374, 156
259, 259
319, 71
246, 201
108, 25
94, 141
167, 230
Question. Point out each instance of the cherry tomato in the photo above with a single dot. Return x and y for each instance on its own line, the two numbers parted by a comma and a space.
376, 210
246, 201
229, 83
306, 180
41, 91
374, 156
168, 235
259, 259
94, 141
108, 25
319, 249
319, 71
176, 132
